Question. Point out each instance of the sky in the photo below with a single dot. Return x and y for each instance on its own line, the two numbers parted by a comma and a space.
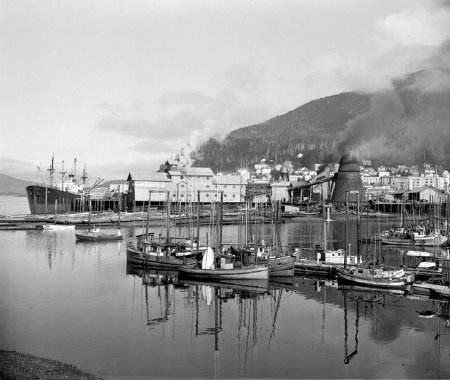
123, 86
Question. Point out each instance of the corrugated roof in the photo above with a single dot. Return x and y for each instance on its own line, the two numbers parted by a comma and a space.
148, 176
420, 189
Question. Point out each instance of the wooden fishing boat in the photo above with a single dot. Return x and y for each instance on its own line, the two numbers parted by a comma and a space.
95, 234
374, 277
157, 255
250, 272
279, 266
227, 271
434, 239
282, 266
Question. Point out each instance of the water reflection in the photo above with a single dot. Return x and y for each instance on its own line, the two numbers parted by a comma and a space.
304, 327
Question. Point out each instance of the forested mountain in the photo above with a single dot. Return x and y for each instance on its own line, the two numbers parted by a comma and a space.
388, 126
12, 186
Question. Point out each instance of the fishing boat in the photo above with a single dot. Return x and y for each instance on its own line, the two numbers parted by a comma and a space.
327, 260
227, 271
373, 276
42, 197
95, 234
58, 227
282, 266
407, 238
422, 265
155, 254
279, 265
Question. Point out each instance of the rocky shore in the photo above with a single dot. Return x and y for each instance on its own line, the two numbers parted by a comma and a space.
15, 366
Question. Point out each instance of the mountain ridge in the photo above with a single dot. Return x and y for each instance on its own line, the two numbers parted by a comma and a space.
385, 126
13, 186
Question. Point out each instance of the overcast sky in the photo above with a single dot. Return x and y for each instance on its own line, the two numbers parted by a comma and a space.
124, 85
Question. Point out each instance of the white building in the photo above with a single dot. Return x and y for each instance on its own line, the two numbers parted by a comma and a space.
279, 191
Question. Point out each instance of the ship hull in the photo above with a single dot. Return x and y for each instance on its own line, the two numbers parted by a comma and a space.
42, 200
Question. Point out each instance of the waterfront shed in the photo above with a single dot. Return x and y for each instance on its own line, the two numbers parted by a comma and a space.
139, 186
425, 194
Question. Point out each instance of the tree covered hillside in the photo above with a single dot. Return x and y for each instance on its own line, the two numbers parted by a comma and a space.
309, 130
12, 186
408, 123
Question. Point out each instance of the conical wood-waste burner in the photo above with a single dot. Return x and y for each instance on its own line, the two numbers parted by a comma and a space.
348, 178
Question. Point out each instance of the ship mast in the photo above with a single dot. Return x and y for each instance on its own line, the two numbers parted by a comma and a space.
84, 177
63, 175
52, 170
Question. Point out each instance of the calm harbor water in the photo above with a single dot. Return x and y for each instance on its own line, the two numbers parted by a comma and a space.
80, 303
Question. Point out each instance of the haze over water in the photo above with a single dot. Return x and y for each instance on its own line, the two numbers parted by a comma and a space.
81, 304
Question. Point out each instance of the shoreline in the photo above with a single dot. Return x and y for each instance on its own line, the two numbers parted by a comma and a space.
15, 366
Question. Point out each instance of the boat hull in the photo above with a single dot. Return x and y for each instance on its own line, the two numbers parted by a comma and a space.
98, 237
136, 256
281, 267
253, 272
41, 200
427, 241
387, 283
58, 227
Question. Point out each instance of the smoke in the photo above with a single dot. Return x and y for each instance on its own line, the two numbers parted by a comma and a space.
402, 123
411, 118
184, 158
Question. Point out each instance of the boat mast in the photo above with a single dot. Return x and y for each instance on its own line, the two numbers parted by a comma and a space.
120, 205
346, 230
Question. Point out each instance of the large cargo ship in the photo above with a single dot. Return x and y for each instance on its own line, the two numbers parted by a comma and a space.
52, 197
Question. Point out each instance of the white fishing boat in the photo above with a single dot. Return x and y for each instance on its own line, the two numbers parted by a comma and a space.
95, 234
422, 265
375, 277
226, 271
58, 227
433, 239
